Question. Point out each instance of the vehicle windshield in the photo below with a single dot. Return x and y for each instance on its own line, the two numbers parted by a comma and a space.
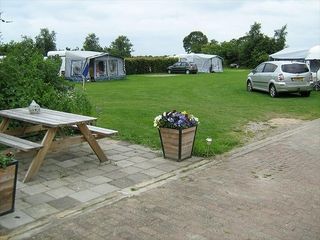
295, 68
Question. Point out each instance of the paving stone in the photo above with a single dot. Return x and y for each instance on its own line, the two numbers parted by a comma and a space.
40, 210
92, 172
61, 156
34, 189
80, 185
118, 157
138, 177
124, 163
108, 167
154, 172
20, 185
38, 198
131, 169
85, 195
69, 163
104, 188
132, 153
116, 174
167, 167
137, 159
146, 165
55, 183
21, 204
151, 155
20, 194
15, 219
122, 149
122, 182
98, 180
64, 203
60, 192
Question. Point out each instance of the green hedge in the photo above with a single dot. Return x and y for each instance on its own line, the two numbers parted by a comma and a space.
25, 76
141, 65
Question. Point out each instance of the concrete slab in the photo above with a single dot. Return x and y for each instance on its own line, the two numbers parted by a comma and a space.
15, 219
85, 195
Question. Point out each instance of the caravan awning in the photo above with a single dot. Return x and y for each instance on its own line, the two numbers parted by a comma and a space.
297, 54
314, 53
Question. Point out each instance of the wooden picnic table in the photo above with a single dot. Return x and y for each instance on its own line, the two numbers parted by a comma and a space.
51, 122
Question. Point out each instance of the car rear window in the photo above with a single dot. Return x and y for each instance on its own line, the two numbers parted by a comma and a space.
294, 68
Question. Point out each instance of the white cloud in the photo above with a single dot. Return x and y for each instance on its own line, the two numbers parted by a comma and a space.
158, 27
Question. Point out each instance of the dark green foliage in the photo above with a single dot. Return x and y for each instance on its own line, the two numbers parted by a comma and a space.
46, 41
91, 43
121, 47
26, 76
139, 65
249, 50
194, 42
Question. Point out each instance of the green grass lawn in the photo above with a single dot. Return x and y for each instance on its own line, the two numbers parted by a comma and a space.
219, 100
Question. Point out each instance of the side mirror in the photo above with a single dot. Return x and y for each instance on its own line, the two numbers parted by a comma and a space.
253, 71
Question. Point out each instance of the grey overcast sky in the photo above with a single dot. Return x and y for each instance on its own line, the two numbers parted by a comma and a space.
157, 27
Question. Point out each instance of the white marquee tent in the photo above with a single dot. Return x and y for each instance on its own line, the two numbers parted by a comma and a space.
205, 62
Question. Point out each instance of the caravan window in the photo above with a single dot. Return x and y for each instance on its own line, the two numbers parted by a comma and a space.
100, 68
76, 68
113, 67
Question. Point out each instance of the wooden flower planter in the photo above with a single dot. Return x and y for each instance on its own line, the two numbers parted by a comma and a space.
177, 144
8, 182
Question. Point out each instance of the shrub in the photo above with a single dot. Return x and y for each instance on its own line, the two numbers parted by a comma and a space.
141, 65
25, 75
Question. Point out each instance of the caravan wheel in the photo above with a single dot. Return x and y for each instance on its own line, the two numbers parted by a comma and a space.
187, 72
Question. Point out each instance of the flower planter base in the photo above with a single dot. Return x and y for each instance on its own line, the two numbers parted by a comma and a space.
8, 181
177, 144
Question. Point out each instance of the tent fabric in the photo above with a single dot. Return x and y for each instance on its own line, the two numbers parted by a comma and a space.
297, 54
77, 65
314, 53
205, 62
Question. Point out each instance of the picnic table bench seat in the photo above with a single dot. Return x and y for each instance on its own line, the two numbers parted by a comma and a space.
100, 130
18, 143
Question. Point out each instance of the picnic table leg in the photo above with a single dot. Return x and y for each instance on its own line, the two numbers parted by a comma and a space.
4, 124
92, 142
38, 159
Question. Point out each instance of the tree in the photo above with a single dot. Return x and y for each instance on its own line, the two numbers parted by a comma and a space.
26, 76
46, 41
121, 47
91, 43
194, 42
280, 38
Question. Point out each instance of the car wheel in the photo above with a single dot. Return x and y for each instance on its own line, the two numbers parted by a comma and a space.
249, 86
305, 94
273, 91
187, 72
169, 71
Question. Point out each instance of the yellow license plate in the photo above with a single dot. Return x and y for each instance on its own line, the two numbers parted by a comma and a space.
297, 79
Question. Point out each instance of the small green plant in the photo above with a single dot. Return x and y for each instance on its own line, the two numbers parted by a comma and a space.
5, 159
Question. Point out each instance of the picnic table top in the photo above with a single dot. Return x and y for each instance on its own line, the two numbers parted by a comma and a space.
46, 117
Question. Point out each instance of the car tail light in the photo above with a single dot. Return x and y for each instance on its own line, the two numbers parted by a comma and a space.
280, 77
310, 78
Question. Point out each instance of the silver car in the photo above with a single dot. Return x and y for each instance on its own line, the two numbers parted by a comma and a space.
281, 76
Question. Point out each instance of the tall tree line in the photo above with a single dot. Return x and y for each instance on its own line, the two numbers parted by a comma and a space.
45, 41
249, 50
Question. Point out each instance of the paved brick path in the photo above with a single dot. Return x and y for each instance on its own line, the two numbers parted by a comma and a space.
267, 190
